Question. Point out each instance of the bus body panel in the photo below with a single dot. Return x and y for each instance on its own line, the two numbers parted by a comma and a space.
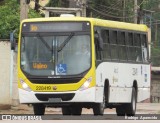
120, 95
121, 77
87, 95
143, 94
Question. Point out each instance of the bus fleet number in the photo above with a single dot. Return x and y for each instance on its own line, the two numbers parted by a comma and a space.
43, 88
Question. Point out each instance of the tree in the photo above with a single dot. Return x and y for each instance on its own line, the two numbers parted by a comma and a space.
54, 3
1, 1
10, 17
58, 3
153, 22
9, 13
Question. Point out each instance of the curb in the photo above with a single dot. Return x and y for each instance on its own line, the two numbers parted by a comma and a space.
5, 107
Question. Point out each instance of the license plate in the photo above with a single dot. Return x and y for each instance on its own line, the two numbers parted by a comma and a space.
54, 100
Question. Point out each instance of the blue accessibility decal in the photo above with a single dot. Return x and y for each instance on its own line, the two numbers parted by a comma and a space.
62, 68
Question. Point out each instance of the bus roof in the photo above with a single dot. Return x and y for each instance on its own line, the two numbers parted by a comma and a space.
96, 22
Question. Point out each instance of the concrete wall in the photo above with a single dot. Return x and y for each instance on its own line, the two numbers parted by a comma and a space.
155, 87
15, 96
5, 58
8, 88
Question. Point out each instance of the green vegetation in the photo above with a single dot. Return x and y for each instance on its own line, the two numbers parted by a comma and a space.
54, 3
155, 55
10, 17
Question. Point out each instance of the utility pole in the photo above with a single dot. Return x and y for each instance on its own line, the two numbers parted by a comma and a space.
14, 93
83, 8
24, 10
36, 5
156, 33
124, 13
140, 13
135, 11
79, 4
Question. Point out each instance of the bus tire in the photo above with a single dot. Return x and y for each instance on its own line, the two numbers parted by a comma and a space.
98, 108
106, 92
39, 109
131, 107
76, 110
66, 111
120, 110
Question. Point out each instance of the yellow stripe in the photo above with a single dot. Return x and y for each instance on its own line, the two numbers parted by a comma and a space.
96, 22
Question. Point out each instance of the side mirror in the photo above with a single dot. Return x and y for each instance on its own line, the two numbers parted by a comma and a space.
99, 40
13, 41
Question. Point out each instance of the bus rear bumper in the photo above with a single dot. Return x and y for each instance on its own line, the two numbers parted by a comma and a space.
83, 96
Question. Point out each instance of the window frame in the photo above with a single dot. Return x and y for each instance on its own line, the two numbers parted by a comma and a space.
126, 45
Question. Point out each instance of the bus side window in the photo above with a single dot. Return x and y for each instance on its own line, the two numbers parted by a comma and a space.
98, 51
130, 47
106, 51
137, 44
144, 48
113, 45
122, 46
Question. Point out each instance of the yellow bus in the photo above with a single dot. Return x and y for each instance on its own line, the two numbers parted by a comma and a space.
76, 62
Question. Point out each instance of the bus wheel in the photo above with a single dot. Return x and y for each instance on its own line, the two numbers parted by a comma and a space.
120, 110
76, 110
98, 108
39, 109
66, 110
131, 107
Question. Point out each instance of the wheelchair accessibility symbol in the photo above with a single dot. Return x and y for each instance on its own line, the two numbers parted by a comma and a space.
62, 68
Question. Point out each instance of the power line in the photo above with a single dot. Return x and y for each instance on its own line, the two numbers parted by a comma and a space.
155, 56
108, 7
107, 15
141, 3
113, 6
108, 12
155, 23
104, 11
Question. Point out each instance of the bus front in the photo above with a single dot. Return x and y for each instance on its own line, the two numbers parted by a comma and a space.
55, 65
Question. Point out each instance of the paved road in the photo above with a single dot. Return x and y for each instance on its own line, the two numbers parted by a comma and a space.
143, 109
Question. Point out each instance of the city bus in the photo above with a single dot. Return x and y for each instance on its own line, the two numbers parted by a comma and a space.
77, 62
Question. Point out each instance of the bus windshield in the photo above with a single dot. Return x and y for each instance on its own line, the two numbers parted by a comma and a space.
47, 54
